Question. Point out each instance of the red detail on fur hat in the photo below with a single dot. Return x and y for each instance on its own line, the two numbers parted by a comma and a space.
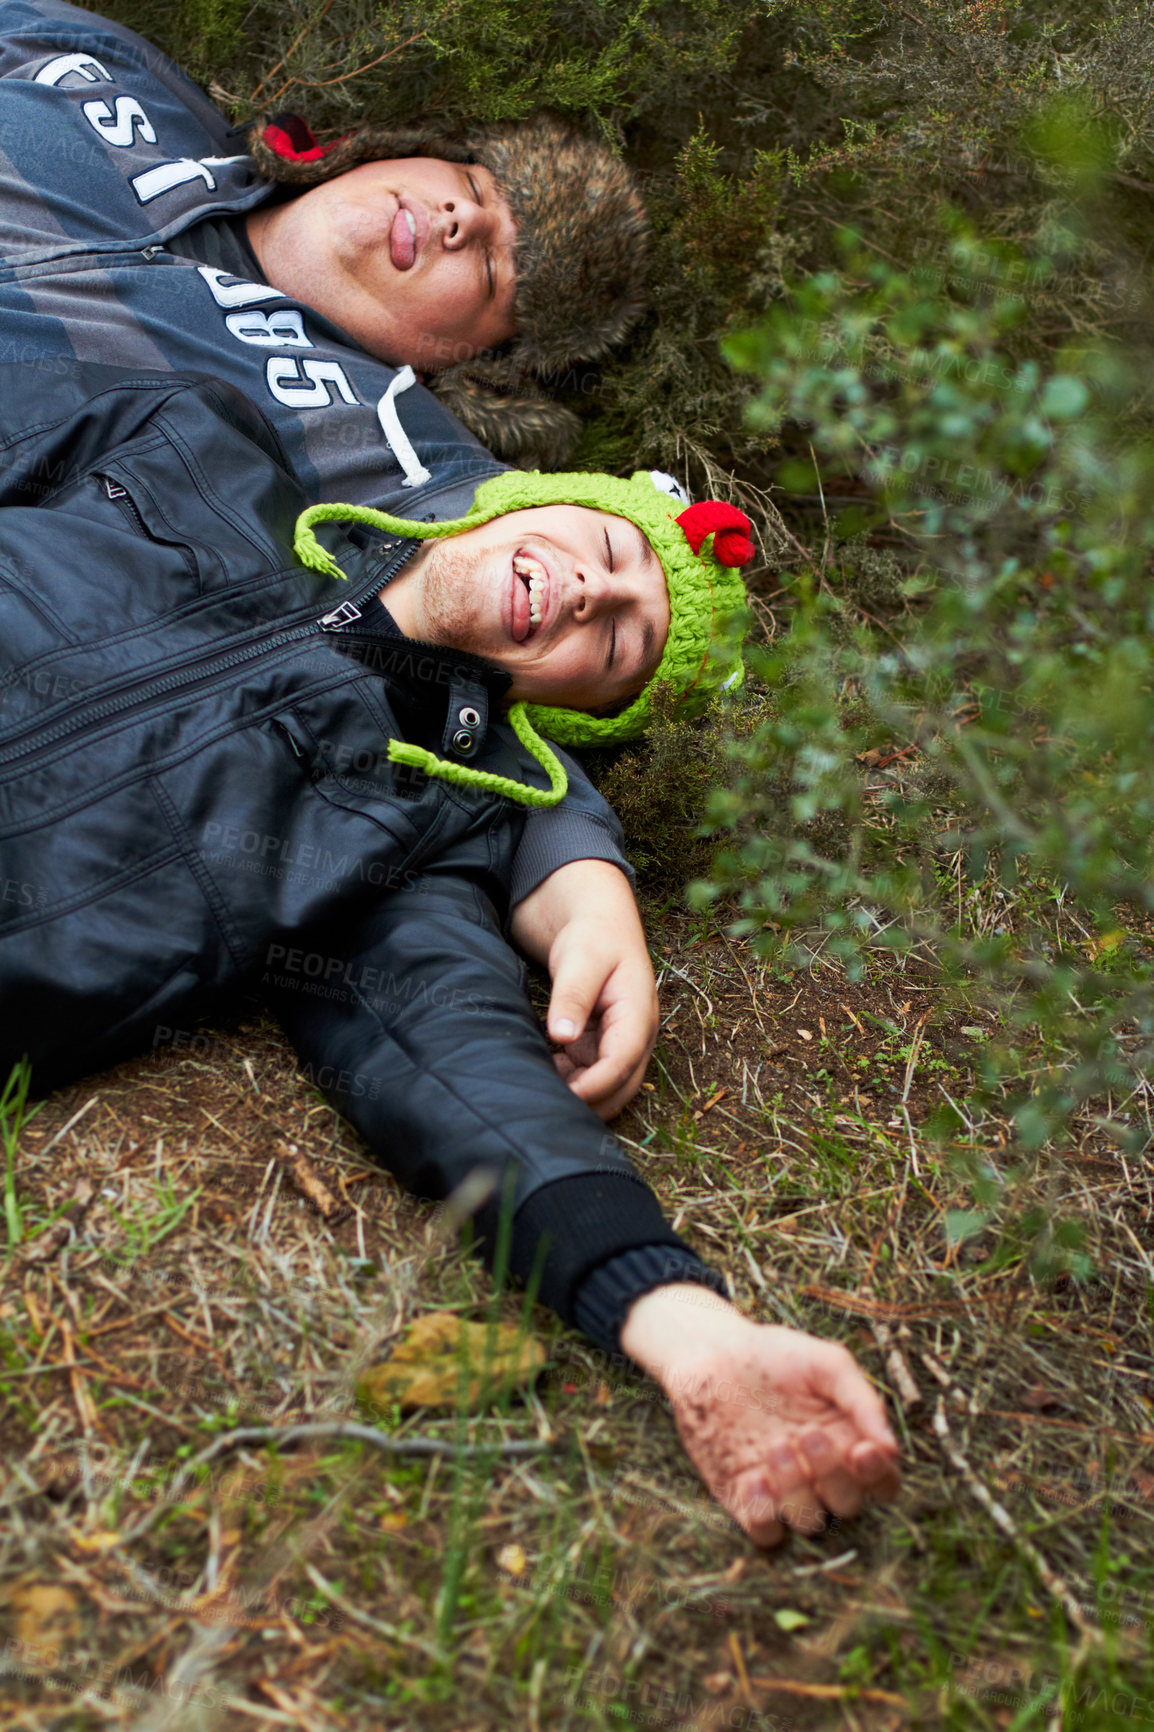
292, 138
728, 526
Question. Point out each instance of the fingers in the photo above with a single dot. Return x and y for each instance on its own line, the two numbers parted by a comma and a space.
753, 1507
605, 1086
766, 1500
876, 1470
836, 1375
841, 1488
625, 1034
803, 1484
577, 983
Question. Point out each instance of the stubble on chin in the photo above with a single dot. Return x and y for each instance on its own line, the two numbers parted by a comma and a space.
455, 602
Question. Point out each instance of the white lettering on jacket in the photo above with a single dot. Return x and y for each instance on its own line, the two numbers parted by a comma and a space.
85, 66
128, 117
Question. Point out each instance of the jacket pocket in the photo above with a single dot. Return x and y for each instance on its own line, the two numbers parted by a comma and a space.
137, 509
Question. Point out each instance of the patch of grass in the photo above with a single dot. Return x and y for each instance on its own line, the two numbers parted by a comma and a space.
14, 1115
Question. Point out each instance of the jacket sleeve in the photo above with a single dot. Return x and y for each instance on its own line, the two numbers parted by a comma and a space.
426, 1041
583, 827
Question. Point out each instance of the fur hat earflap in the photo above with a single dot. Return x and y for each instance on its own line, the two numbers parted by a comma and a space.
526, 428
285, 149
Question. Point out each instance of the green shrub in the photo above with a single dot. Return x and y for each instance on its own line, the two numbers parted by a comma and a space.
1018, 684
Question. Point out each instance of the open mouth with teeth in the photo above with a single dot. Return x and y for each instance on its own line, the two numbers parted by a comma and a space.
529, 599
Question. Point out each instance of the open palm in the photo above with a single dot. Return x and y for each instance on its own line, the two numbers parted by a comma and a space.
783, 1427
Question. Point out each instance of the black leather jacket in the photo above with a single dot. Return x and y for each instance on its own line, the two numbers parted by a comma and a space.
195, 796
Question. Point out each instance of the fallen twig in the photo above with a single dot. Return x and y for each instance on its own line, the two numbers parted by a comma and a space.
900, 1374
1001, 1517
894, 1313
332, 1428
311, 1185
831, 1692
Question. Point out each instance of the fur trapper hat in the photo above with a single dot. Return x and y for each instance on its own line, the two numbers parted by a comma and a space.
581, 256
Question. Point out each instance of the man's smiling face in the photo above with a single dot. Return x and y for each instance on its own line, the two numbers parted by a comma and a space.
569, 601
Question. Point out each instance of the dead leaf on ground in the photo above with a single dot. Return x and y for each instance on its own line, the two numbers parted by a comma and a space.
45, 1615
443, 1361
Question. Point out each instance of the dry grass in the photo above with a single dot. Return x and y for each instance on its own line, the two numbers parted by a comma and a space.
329, 1584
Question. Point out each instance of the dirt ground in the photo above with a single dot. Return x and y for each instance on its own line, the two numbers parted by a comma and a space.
230, 1256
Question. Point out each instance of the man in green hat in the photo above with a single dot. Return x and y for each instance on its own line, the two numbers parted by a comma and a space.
223, 769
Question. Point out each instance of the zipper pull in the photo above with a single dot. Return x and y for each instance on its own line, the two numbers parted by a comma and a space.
113, 488
343, 615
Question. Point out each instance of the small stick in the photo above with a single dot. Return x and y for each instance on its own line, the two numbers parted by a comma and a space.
282, 1434
64, 1129
831, 1692
739, 1662
311, 1185
915, 1049
900, 1374
1001, 1518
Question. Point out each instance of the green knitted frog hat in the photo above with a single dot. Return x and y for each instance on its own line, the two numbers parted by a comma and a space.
706, 594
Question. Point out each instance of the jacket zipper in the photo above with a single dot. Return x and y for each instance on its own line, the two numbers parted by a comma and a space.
123, 498
146, 692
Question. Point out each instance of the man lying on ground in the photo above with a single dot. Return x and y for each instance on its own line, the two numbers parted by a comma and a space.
154, 231
222, 769
126, 202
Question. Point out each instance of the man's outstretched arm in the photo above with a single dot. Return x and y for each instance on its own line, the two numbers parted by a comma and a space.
424, 1038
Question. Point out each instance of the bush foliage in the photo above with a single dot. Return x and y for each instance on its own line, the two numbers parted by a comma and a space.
1015, 688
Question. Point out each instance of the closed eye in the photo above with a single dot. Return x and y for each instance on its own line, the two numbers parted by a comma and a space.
612, 646
608, 549
490, 278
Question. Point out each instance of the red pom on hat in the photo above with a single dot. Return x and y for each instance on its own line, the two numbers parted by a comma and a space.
729, 527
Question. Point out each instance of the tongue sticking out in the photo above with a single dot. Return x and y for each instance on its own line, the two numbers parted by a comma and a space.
403, 239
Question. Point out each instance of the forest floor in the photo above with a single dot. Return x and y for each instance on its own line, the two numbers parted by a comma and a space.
205, 1277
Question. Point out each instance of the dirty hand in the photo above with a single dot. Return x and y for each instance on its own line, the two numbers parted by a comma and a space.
583, 923
782, 1427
